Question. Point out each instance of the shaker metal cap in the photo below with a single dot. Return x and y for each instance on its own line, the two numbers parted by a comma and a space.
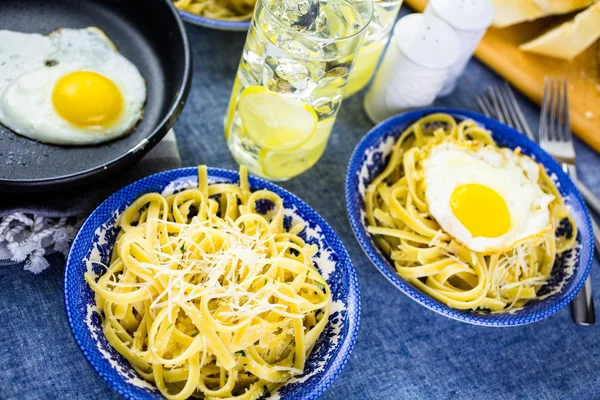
427, 41
465, 15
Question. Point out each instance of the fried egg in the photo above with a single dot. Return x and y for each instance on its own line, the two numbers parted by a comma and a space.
71, 87
487, 198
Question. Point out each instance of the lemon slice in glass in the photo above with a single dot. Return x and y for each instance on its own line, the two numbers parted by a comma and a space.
275, 122
281, 165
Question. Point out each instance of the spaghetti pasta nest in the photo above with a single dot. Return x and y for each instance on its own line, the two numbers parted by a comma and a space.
227, 10
433, 261
208, 295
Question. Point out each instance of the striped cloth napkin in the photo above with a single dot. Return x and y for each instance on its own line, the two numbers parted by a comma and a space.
34, 226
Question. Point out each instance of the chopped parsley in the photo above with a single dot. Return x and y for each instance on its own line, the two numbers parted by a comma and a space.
318, 313
182, 248
266, 391
241, 352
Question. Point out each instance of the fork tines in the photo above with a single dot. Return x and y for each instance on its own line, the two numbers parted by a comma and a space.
555, 129
499, 102
554, 120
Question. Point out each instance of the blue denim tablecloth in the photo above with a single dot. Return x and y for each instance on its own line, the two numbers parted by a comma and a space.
404, 351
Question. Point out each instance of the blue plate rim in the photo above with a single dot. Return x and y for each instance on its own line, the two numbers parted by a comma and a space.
382, 265
354, 308
211, 23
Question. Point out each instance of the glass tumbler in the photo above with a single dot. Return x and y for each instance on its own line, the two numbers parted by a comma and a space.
290, 81
377, 35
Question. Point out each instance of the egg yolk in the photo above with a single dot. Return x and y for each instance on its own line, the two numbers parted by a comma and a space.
87, 99
481, 210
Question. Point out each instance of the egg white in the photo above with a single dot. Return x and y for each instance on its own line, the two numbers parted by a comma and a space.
513, 176
35, 63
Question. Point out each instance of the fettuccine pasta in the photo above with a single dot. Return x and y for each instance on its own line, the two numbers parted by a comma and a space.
431, 259
228, 10
208, 295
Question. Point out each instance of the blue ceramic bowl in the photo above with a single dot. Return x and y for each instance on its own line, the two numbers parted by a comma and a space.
94, 243
235, 26
371, 156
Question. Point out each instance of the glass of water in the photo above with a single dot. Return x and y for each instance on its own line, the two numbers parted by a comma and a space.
378, 33
290, 81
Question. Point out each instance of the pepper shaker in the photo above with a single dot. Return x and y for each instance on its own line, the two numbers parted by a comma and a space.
470, 20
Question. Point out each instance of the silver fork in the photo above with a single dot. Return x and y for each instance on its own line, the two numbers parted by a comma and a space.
556, 138
499, 102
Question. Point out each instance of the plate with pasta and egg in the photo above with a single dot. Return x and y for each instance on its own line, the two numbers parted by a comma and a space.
208, 283
468, 217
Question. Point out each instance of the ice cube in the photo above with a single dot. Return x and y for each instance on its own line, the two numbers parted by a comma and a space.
326, 106
296, 75
295, 48
291, 71
295, 7
321, 21
299, 14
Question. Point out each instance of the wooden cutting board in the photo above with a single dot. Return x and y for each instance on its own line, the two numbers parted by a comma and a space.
525, 71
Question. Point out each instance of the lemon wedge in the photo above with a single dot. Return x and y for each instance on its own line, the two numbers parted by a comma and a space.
275, 122
568, 40
364, 68
281, 165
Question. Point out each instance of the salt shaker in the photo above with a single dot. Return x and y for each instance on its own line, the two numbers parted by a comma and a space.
414, 68
470, 20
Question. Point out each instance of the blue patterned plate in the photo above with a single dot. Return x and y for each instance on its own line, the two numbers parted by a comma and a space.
94, 242
211, 23
369, 159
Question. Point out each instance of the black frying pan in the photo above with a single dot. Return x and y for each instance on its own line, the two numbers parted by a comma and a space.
151, 35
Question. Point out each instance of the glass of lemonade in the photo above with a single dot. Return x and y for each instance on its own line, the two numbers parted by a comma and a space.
377, 36
290, 81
